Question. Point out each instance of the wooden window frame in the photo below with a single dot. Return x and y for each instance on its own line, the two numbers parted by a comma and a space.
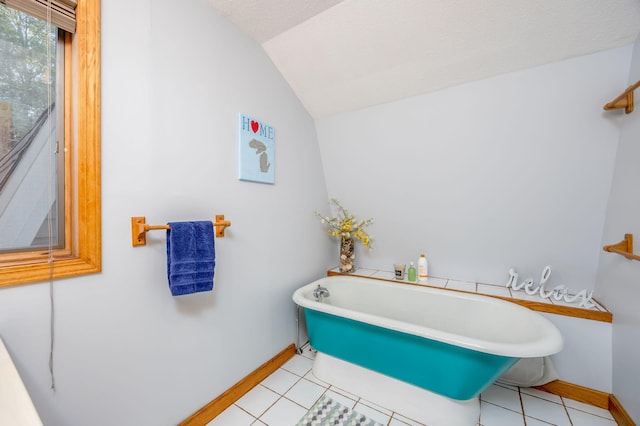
83, 223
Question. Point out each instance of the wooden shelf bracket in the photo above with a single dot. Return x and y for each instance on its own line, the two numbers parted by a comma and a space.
625, 100
623, 248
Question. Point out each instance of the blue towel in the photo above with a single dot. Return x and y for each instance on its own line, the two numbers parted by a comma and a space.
191, 257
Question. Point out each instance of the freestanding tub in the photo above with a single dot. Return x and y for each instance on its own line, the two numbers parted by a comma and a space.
421, 351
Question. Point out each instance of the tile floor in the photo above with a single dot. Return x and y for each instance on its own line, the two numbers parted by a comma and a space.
286, 395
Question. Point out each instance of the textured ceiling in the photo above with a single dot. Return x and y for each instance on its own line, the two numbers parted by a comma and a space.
345, 55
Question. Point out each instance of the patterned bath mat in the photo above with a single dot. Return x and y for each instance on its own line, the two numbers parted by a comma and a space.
327, 412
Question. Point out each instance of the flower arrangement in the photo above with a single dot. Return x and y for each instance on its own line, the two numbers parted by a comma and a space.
345, 225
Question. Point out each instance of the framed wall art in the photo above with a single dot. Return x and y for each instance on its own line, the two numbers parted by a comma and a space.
256, 150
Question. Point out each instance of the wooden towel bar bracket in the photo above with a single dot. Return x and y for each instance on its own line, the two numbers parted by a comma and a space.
625, 100
139, 228
623, 248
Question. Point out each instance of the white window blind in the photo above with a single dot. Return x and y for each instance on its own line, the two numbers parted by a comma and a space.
63, 12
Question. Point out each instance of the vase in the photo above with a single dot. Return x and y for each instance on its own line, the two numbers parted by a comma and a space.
347, 255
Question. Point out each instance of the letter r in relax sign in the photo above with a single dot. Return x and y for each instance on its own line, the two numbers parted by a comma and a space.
256, 153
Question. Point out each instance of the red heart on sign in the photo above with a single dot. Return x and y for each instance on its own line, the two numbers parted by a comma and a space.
254, 126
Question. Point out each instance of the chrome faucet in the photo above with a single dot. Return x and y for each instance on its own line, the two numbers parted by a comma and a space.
320, 292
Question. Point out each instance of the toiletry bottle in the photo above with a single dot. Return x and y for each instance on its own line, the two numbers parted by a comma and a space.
422, 267
412, 273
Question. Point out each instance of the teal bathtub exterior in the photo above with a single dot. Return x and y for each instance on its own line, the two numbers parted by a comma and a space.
448, 370
398, 342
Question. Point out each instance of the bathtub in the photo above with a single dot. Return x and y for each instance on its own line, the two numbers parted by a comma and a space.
421, 351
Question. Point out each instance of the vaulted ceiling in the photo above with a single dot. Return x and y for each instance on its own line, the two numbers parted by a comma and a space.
341, 55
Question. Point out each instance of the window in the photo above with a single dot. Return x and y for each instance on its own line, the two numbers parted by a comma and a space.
31, 194
71, 112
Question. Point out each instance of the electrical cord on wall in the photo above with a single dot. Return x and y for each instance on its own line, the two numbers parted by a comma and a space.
53, 383
51, 322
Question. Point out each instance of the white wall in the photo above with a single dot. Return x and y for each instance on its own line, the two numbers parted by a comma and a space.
126, 352
512, 171
617, 281
586, 357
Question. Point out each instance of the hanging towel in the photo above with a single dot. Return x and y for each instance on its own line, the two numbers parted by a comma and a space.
191, 257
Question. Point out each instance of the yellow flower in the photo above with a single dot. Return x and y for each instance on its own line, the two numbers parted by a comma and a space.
345, 225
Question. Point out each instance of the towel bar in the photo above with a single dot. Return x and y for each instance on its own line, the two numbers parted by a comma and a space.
139, 228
